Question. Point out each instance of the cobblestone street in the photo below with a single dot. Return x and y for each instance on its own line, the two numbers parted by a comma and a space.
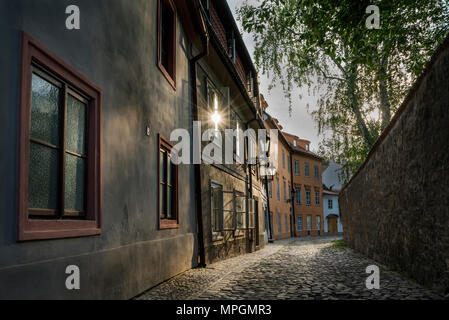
301, 268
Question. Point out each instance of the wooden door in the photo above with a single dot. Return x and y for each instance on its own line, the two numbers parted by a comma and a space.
332, 225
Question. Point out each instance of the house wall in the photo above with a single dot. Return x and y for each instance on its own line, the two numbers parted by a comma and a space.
335, 210
115, 49
302, 182
281, 208
226, 244
396, 208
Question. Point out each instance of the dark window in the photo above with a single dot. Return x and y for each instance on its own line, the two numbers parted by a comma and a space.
58, 153
60, 179
167, 40
288, 164
298, 196
296, 167
240, 209
168, 187
317, 198
283, 159
309, 223
308, 201
299, 223
330, 204
217, 207
306, 169
317, 172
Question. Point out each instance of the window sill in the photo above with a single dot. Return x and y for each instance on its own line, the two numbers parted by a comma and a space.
217, 236
59, 229
240, 233
168, 224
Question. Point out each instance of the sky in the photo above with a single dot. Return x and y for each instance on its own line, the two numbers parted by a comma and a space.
300, 122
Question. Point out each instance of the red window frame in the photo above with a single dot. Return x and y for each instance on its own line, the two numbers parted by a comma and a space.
169, 74
39, 229
167, 146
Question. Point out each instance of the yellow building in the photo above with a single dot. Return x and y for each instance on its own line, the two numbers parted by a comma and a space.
280, 186
306, 175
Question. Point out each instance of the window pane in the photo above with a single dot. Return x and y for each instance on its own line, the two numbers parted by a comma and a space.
43, 177
166, 36
75, 169
76, 125
170, 175
44, 110
162, 164
214, 207
299, 223
169, 203
162, 200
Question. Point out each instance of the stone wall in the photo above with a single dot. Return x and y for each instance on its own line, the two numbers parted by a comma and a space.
396, 208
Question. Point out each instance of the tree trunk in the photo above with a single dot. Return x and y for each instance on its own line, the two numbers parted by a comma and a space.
355, 105
385, 107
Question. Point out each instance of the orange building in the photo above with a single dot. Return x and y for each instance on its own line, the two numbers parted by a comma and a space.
307, 188
279, 188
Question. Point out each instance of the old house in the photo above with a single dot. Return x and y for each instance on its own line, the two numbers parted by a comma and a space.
280, 185
307, 187
332, 184
232, 196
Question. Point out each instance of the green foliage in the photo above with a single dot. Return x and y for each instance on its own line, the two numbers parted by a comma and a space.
338, 244
355, 72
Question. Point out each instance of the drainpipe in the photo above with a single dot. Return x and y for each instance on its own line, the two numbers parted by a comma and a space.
197, 167
270, 236
293, 226
250, 179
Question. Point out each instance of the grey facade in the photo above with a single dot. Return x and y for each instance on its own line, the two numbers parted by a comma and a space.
116, 50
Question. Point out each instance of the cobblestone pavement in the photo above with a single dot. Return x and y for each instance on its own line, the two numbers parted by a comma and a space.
301, 268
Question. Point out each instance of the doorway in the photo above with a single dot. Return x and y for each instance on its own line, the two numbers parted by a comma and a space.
332, 224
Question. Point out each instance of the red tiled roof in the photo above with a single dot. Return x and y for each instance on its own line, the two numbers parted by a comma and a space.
290, 137
334, 193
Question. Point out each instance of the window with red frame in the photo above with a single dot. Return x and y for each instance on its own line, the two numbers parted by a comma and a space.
168, 187
60, 165
167, 40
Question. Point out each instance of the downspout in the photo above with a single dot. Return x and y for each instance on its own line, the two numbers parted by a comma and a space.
270, 236
293, 226
250, 179
197, 167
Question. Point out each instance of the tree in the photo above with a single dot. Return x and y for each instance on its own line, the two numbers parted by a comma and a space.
356, 73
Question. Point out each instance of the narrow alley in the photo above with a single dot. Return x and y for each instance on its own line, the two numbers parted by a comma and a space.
300, 268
